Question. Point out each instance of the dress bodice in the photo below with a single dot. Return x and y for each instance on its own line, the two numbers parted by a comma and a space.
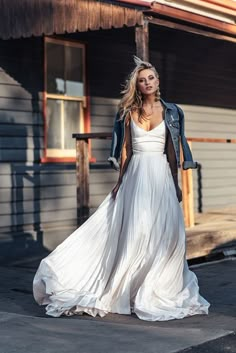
148, 141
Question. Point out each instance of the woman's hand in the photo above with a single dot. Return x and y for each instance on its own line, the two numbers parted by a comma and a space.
179, 193
115, 190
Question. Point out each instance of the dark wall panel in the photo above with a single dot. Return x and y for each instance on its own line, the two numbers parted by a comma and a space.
109, 59
194, 69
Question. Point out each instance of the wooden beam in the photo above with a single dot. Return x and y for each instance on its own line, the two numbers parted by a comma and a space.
188, 204
187, 190
141, 3
82, 180
230, 4
212, 6
82, 172
211, 140
142, 41
178, 14
189, 29
93, 135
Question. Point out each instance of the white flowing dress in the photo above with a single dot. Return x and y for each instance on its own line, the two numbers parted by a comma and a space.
129, 256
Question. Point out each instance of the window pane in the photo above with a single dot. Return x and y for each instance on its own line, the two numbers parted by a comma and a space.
53, 123
74, 71
71, 121
55, 68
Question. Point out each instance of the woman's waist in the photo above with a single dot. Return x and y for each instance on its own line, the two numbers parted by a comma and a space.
151, 152
148, 147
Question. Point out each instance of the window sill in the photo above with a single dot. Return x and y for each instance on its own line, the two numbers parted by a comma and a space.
63, 160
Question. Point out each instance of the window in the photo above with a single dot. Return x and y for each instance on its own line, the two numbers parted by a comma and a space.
65, 97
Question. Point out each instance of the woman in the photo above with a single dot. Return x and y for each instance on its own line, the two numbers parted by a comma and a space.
130, 254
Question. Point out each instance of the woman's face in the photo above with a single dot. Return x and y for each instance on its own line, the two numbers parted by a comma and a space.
147, 82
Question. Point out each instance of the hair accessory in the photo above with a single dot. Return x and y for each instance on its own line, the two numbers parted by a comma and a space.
140, 62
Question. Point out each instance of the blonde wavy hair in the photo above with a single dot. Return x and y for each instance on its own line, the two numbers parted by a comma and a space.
132, 99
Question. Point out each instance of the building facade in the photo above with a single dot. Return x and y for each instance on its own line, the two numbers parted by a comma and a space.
61, 71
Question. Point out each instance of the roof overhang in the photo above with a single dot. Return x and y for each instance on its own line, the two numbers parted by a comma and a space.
26, 18
217, 15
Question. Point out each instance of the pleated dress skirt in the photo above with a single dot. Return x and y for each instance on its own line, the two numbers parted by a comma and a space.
130, 255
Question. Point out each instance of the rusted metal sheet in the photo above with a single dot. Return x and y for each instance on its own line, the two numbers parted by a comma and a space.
106, 19
45, 12
94, 15
83, 19
58, 16
118, 16
36, 17
130, 20
71, 8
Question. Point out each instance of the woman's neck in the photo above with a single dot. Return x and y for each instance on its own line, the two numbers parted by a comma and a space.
150, 100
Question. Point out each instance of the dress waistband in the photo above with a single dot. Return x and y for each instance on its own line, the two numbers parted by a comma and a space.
148, 152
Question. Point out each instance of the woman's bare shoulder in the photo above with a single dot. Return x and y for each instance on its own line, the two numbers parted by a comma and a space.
128, 118
134, 115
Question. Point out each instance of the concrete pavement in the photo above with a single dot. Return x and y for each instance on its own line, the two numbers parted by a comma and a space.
24, 327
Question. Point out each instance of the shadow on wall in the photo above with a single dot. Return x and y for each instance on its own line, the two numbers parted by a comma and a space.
15, 240
28, 190
23, 195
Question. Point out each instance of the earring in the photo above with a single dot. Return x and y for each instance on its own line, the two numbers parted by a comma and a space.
157, 94
139, 96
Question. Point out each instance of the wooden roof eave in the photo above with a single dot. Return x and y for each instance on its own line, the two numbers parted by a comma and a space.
28, 18
163, 11
226, 4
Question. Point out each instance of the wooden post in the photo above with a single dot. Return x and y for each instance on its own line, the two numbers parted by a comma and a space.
187, 189
82, 171
142, 41
82, 180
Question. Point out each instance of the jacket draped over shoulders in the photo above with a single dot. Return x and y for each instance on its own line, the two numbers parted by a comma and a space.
174, 120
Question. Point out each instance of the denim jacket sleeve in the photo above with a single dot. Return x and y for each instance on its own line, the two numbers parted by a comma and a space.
187, 154
115, 143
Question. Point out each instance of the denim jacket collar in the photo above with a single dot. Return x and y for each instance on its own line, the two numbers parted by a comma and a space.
167, 105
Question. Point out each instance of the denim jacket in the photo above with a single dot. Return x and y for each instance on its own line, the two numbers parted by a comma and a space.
174, 120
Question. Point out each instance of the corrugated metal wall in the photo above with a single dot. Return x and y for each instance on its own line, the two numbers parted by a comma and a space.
218, 162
